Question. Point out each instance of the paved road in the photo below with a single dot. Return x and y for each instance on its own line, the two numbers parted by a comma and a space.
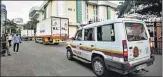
38, 60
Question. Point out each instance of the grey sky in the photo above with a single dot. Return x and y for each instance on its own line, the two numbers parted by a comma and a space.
116, 2
20, 9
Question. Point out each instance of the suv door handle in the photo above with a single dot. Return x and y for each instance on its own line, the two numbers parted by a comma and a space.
130, 47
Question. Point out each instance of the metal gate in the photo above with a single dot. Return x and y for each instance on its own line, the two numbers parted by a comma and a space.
155, 30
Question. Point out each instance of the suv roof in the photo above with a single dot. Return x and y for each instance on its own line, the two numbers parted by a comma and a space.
110, 21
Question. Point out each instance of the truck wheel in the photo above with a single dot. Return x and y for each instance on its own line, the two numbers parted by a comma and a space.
99, 67
56, 43
44, 42
69, 54
36, 41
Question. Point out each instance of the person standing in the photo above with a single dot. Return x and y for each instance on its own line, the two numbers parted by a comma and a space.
16, 41
3, 51
5, 46
10, 40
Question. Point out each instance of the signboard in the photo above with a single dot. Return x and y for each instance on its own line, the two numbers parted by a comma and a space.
42, 28
56, 26
64, 26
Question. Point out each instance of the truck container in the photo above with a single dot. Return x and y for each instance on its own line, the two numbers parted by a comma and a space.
53, 30
27, 34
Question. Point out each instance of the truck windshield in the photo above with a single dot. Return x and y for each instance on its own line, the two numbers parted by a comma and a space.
135, 31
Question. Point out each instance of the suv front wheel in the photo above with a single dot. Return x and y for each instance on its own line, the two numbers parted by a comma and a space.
99, 67
69, 54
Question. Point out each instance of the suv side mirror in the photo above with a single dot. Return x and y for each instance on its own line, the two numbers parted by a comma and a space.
73, 38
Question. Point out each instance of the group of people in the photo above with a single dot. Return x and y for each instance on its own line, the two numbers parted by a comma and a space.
9, 40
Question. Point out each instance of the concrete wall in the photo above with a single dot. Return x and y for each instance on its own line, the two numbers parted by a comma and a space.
102, 12
48, 10
84, 11
90, 12
72, 31
61, 8
54, 12
71, 11
112, 13
40, 17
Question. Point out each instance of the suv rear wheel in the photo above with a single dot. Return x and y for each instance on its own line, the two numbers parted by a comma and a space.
99, 67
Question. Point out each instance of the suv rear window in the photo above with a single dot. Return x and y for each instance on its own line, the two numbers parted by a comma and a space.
135, 31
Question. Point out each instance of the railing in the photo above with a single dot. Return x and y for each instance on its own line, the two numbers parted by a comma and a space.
156, 32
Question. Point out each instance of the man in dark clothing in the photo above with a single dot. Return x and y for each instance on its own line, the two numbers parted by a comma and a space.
5, 46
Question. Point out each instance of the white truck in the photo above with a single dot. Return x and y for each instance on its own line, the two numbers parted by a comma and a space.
53, 30
27, 34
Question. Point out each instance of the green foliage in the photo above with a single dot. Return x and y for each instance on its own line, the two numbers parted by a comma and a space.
154, 7
11, 25
122, 8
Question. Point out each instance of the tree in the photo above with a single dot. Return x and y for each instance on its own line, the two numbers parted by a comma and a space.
151, 7
11, 26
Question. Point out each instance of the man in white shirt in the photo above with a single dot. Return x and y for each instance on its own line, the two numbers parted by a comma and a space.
16, 41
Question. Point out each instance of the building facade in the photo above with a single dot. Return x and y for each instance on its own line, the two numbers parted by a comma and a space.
18, 20
20, 24
79, 12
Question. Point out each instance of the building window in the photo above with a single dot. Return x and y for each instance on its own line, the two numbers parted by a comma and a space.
108, 12
79, 11
87, 11
94, 12
89, 34
105, 33
44, 13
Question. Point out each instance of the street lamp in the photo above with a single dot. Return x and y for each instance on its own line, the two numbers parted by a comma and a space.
3, 40
5, 13
5, 20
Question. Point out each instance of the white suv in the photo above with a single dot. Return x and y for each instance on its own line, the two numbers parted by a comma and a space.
120, 45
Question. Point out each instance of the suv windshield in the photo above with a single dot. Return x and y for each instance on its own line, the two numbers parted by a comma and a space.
135, 31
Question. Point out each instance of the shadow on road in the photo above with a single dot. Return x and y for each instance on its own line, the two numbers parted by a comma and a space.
111, 73
59, 45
